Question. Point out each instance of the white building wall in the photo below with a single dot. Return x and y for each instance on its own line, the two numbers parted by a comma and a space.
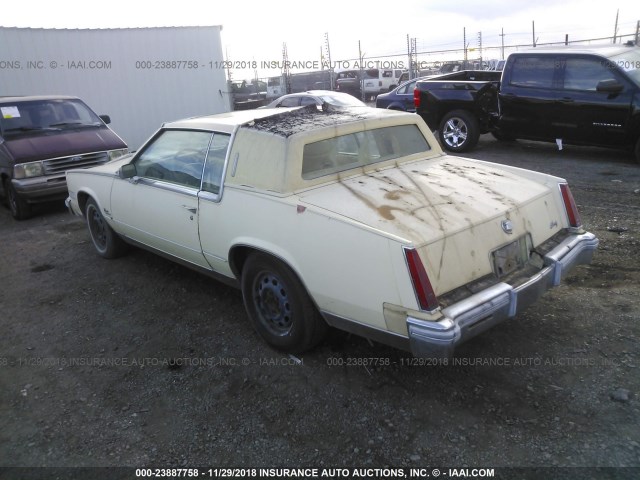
140, 77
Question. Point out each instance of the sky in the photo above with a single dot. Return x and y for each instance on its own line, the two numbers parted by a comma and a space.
256, 30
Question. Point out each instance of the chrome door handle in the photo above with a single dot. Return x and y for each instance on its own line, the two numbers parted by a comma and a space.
190, 209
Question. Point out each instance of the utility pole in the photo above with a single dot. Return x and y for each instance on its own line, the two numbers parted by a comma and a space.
328, 55
409, 56
566, 39
502, 39
637, 32
414, 50
464, 44
480, 48
229, 77
533, 26
285, 68
361, 76
413, 60
615, 29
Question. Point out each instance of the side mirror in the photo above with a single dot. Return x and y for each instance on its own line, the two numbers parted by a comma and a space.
127, 171
106, 119
609, 86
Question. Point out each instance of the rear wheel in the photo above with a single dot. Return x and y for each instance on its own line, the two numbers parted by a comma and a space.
279, 306
107, 242
459, 131
20, 209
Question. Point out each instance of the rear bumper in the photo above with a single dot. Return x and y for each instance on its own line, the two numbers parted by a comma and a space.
479, 312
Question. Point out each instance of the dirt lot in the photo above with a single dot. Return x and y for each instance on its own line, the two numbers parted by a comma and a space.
140, 362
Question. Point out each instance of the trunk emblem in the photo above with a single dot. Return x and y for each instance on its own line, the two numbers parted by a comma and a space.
507, 226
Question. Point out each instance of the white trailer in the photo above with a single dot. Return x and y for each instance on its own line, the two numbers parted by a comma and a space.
140, 77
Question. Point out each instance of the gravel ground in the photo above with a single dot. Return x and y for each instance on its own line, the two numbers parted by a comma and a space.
140, 362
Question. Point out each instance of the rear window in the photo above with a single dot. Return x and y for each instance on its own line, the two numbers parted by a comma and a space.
360, 149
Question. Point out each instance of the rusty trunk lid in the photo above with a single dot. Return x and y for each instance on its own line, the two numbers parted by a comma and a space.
455, 211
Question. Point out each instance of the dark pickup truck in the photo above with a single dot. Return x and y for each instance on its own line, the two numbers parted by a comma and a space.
573, 95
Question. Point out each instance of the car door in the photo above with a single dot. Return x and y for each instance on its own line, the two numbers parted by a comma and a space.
529, 97
159, 206
586, 115
405, 95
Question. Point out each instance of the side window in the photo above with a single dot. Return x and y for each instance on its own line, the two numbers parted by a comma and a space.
307, 101
212, 179
408, 88
585, 73
290, 102
175, 156
538, 72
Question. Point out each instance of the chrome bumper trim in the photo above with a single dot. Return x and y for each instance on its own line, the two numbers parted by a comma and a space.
500, 302
69, 205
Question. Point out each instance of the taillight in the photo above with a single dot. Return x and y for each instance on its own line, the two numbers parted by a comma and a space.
570, 206
416, 97
421, 285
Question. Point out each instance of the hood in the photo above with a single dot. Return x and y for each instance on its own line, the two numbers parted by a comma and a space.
55, 144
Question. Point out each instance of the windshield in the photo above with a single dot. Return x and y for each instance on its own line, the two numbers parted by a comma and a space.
629, 62
23, 118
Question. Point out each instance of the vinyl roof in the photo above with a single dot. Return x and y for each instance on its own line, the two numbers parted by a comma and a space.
282, 121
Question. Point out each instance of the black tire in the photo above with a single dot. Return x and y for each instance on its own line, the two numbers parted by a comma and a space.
20, 209
107, 242
279, 306
459, 131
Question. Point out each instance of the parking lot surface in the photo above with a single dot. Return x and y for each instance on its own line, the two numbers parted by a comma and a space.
141, 362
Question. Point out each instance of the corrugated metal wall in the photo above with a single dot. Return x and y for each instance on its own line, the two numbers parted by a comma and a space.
141, 77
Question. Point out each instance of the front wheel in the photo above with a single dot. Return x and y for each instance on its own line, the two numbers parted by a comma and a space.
20, 209
107, 242
279, 306
459, 131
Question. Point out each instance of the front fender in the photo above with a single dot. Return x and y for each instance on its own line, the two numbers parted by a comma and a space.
83, 185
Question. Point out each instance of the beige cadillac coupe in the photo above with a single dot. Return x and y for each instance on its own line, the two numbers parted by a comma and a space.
353, 218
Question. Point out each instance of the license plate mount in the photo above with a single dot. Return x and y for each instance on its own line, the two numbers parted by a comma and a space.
511, 257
